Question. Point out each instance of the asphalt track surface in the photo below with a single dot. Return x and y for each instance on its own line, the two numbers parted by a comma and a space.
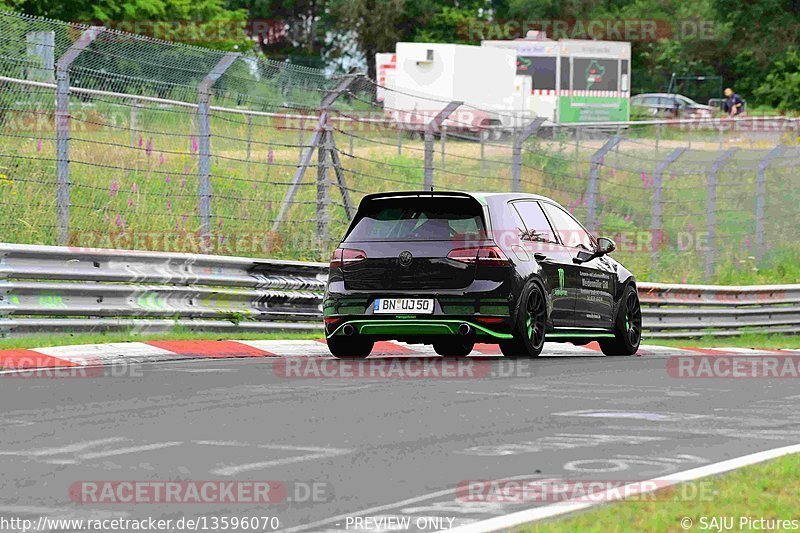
372, 446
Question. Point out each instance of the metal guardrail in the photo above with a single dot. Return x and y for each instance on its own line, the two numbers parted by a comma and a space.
51, 289
48, 288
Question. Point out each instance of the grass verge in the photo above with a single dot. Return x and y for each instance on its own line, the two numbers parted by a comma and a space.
768, 490
748, 340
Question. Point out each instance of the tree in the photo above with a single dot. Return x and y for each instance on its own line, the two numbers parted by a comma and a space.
375, 25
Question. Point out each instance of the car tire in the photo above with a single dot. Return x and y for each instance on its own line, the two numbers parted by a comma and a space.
627, 326
453, 347
349, 347
531, 324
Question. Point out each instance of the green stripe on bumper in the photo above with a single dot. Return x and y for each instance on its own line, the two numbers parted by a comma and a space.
415, 327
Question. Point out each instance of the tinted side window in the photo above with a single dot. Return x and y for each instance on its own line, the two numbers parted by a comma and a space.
535, 222
572, 234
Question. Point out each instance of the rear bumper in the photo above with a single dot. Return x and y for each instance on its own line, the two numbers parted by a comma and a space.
419, 329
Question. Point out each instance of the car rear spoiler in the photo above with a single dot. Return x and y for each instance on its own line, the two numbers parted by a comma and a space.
417, 194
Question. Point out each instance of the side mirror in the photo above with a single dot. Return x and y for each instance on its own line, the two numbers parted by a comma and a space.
605, 246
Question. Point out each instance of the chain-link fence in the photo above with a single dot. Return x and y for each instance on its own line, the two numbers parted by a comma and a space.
114, 140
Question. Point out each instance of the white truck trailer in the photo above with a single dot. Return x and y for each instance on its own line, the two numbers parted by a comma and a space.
427, 76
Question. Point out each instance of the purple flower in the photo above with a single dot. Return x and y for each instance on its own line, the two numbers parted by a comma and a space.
169, 205
161, 158
114, 189
613, 172
194, 144
141, 141
39, 145
167, 179
270, 156
118, 221
130, 202
134, 188
149, 148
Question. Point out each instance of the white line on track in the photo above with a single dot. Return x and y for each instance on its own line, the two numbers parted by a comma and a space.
132, 449
317, 453
69, 448
645, 487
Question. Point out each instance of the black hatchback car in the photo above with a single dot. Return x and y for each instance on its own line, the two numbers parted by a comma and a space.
451, 269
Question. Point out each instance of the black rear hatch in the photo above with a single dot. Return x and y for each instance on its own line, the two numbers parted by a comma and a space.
406, 241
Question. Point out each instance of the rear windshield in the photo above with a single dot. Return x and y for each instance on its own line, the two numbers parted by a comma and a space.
418, 219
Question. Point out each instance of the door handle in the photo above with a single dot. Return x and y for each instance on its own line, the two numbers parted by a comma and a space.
540, 257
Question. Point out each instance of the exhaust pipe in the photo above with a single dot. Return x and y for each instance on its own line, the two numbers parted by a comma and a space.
464, 329
348, 330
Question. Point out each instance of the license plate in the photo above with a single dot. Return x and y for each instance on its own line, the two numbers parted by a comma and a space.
422, 306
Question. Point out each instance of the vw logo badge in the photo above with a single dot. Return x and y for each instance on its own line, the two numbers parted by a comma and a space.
405, 258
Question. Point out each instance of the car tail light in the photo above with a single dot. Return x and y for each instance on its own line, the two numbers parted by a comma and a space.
483, 255
490, 319
343, 257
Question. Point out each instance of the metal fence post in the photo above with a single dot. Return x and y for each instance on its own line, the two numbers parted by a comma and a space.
596, 162
711, 209
301, 126
249, 140
134, 119
314, 144
322, 188
761, 193
482, 137
352, 137
658, 203
399, 140
204, 134
40, 53
444, 148
63, 130
430, 128
520, 136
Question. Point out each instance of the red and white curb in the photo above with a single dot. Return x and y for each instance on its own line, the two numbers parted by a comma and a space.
156, 351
